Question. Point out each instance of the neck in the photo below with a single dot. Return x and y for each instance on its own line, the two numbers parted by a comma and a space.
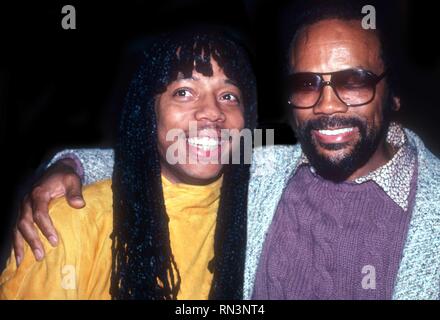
181, 179
381, 156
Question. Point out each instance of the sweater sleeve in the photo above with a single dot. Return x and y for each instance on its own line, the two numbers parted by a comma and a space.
92, 165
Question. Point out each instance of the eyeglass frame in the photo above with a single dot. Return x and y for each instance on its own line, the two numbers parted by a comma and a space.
323, 83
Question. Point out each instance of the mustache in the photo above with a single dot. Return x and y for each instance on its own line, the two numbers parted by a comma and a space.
332, 122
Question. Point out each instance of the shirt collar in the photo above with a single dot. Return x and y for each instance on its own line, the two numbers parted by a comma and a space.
395, 176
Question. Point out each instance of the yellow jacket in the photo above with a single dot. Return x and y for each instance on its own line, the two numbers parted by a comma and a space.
80, 266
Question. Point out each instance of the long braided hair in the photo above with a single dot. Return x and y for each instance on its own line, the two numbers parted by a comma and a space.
143, 265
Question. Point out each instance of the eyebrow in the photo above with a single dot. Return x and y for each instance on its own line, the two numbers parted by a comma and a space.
232, 82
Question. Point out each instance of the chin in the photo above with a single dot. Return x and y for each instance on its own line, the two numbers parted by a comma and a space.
202, 174
335, 152
336, 156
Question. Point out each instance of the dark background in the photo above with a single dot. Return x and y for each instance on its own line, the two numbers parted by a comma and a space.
60, 88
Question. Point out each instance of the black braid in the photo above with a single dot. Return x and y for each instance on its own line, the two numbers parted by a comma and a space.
143, 264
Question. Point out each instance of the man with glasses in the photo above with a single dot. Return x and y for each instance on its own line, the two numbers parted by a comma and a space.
352, 211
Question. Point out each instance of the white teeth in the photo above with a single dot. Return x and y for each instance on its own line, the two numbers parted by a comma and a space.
335, 131
204, 143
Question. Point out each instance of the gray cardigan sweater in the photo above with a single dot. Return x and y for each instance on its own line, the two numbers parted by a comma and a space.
418, 276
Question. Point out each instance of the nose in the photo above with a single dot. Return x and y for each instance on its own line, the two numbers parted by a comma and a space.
329, 102
209, 109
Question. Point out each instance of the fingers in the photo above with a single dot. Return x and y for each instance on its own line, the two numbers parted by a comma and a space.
18, 244
27, 229
40, 208
58, 181
74, 192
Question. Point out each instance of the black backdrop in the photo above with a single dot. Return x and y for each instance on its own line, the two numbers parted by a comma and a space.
60, 88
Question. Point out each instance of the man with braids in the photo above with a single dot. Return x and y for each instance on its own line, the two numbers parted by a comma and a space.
155, 230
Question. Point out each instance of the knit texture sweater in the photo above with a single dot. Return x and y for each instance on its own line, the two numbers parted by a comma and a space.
418, 275
332, 241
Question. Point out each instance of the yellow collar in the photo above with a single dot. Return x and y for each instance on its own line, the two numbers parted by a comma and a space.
185, 198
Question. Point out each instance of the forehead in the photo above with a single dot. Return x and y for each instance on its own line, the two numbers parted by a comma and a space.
332, 45
217, 76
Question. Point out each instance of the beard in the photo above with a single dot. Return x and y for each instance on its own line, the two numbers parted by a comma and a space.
340, 168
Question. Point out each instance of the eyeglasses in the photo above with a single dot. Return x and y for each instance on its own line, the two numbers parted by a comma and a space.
354, 87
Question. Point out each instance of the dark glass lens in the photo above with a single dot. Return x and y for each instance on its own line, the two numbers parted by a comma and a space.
305, 89
354, 87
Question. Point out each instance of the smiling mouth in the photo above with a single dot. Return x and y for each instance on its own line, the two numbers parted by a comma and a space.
336, 135
334, 132
204, 148
205, 143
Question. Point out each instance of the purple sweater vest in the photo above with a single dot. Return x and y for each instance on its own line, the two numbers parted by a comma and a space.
332, 241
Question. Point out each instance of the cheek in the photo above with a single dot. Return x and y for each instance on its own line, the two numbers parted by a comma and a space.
170, 117
235, 119
374, 111
378, 115
300, 116
381, 100
161, 135
161, 131
166, 121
